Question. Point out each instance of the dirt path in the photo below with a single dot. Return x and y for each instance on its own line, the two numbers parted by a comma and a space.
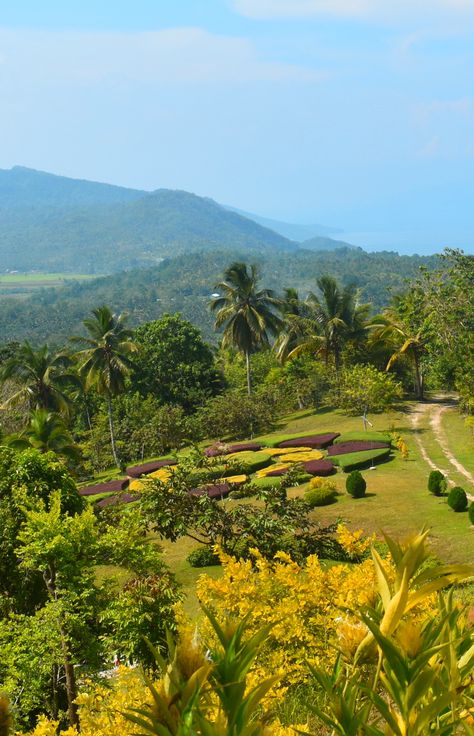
435, 412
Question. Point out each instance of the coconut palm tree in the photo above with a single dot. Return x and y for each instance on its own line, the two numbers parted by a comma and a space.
43, 377
45, 432
105, 362
248, 315
403, 333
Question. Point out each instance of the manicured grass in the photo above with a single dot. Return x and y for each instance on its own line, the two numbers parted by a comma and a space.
460, 438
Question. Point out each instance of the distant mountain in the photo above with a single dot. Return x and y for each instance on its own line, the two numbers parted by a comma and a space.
53, 223
23, 187
290, 230
320, 243
184, 284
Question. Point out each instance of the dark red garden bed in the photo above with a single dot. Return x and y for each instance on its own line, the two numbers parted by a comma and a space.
135, 471
216, 450
312, 440
112, 486
343, 448
219, 490
111, 500
319, 467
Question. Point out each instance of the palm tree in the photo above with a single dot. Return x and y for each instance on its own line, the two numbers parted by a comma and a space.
294, 325
401, 335
326, 322
43, 377
249, 315
105, 363
46, 432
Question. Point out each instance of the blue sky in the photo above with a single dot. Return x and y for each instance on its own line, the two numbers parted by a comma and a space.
357, 113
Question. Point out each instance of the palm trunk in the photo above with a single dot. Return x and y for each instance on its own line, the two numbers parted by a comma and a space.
247, 364
112, 433
418, 377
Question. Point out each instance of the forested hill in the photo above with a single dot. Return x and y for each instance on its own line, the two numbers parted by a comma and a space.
186, 282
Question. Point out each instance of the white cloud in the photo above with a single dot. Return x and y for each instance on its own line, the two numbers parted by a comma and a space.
378, 9
166, 56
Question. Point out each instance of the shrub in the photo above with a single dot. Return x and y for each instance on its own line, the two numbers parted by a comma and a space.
457, 499
344, 448
354, 460
203, 557
355, 484
319, 497
283, 440
364, 388
319, 467
437, 483
249, 462
471, 513
363, 436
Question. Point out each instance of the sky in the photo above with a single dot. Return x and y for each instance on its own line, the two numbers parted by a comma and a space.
352, 113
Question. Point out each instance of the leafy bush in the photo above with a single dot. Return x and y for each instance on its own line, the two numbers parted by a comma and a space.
344, 448
355, 484
278, 439
249, 462
364, 388
437, 483
359, 459
321, 492
471, 513
235, 416
319, 497
457, 499
203, 557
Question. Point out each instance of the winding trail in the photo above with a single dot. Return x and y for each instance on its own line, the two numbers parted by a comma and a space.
435, 410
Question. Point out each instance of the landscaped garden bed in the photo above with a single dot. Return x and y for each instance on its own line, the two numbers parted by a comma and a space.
344, 448
135, 471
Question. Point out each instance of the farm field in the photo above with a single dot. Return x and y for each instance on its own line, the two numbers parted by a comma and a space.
22, 285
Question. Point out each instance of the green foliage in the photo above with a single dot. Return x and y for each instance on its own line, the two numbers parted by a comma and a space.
174, 364
437, 483
471, 512
322, 496
353, 460
356, 484
202, 557
457, 499
236, 416
364, 436
363, 388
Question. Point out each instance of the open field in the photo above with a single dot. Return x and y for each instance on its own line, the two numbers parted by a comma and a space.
22, 285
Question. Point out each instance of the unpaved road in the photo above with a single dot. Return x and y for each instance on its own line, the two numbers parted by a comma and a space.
434, 412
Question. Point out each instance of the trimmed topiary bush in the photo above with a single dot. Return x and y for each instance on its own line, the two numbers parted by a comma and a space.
437, 483
354, 460
471, 513
203, 557
363, 436
457, 499
322, 496
355, 484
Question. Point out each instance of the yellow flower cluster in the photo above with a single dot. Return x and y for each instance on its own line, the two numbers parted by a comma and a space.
236, 479
303, 604
263, 472
354, 543
302, 457
285, 450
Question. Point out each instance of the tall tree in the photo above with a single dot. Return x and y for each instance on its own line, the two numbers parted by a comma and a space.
106, 362
43, 377
249, 315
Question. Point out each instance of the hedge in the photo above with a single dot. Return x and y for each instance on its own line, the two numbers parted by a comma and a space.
98, 497
319, 467
343, 448
112, 500
112, 486
362, 436
312, 440
277, 439
360, 459
217, 450
249, 462
135, 471
219, 490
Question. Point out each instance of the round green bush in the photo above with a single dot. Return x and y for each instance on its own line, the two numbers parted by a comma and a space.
437, 483
320, 496
457, 499
471, 513
355, 484
202, 557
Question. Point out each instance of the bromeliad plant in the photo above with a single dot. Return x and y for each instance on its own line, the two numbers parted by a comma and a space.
421, 679
207, 695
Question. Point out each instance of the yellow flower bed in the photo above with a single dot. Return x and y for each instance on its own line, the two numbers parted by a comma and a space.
285, 450
236, 479
135, 485
301, 457
271, 468
162, 474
